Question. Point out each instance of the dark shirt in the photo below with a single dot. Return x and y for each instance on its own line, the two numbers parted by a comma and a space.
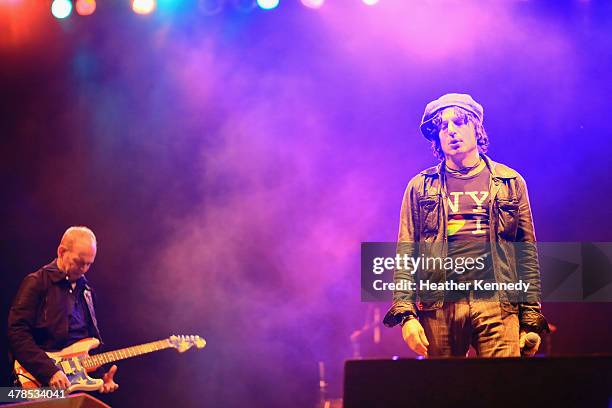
79, 322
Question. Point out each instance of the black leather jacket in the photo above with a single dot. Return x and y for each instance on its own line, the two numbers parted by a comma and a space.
38, 320
423, 222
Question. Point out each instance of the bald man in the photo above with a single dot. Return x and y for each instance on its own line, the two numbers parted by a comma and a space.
54, 308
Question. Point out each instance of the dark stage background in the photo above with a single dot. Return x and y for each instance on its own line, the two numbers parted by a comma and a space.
231, 165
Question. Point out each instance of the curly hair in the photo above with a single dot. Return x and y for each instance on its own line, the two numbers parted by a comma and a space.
481, 135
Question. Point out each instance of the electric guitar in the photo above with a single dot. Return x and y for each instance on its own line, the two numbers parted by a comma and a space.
76, 362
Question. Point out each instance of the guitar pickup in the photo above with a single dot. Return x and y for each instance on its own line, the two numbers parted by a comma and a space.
67, 367
77, 364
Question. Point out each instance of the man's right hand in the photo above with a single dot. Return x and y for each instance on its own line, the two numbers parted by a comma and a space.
59, 381
414, 336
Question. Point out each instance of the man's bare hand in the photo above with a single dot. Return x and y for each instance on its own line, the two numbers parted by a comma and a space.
59, 381
532, 350
109, 383
414, 336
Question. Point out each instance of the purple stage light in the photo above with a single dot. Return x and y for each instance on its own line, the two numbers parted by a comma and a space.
315, 4
210, 7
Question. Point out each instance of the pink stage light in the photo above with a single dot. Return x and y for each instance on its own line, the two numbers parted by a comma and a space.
85, 7
370, 2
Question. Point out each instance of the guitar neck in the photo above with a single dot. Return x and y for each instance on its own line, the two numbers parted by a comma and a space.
121, 354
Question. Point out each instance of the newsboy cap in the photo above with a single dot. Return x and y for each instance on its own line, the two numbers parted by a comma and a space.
465, 101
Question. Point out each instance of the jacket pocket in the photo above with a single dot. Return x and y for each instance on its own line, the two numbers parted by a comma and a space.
507, 220
429, 211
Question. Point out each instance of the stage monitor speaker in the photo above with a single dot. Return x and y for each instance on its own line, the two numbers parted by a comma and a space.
479, 382
71, 401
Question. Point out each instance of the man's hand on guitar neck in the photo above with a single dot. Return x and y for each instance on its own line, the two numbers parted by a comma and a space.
109, 383
59, 381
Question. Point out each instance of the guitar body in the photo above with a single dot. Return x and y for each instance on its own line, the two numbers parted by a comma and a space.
67, 360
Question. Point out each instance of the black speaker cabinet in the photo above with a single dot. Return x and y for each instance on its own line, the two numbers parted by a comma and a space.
479, 382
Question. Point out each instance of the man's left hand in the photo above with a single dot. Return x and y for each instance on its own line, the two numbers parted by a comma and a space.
109, 383
532, 350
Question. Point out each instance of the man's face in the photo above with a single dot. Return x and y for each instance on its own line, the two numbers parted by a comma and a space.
457, 135
77, 260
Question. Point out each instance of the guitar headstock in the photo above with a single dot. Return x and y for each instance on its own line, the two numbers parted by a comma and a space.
184, 343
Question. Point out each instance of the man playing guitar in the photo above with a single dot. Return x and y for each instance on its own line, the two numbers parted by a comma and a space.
54, 308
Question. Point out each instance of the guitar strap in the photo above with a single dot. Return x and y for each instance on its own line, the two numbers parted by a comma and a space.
92, 313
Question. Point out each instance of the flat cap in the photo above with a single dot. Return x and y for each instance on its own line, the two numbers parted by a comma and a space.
464, 101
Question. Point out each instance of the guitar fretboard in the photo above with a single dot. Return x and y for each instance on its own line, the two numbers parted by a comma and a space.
121, 354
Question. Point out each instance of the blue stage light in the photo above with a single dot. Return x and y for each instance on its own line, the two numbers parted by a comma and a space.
267, 4
61, 8
244, 6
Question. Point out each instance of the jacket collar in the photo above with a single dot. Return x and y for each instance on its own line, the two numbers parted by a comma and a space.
58, 275
498, 170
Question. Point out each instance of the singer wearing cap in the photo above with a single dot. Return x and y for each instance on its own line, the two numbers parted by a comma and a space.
468, 206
